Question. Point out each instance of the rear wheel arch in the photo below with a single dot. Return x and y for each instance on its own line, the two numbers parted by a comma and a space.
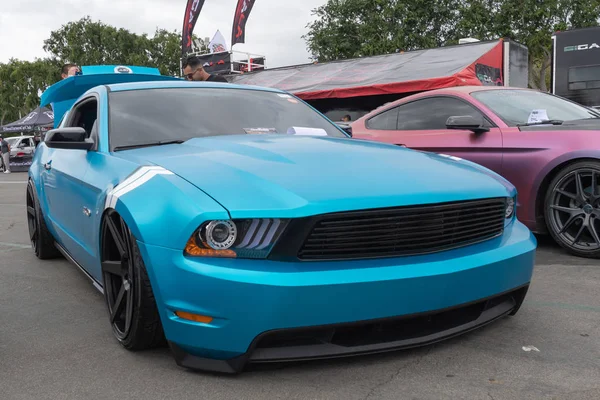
540, 196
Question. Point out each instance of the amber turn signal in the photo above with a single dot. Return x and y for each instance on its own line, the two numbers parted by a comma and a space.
194, 317
192, 249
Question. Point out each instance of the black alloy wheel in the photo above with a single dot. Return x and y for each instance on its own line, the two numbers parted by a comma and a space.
32, 220
131, 305
42, 241
118, 273
573, 209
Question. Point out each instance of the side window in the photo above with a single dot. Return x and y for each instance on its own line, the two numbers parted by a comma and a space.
84, 115
386, 121
432, 113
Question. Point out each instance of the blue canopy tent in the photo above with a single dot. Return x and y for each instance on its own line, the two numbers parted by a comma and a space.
62, 95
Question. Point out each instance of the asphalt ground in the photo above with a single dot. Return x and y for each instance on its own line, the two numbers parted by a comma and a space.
56, 342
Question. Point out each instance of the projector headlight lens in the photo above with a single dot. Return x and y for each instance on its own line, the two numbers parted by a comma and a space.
510, 207
221, 235
244, 238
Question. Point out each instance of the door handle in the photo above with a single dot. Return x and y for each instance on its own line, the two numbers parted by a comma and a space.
48, 165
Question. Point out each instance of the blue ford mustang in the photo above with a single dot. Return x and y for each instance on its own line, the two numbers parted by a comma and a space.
238, 225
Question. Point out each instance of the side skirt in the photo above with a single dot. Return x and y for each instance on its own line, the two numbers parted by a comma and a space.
66, 254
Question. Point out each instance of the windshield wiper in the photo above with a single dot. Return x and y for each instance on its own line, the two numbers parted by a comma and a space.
546, 122
137, 146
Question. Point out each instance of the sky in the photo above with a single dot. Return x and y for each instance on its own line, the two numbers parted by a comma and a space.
274, 28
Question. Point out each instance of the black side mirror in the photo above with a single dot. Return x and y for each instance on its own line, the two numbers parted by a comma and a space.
467, 123
68, 138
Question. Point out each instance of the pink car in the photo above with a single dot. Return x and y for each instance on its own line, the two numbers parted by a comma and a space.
546, 146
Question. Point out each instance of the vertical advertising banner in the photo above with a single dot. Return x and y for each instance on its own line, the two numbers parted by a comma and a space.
238, 34
192, 10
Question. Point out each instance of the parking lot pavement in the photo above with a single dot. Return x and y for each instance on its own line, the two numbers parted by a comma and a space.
56, 342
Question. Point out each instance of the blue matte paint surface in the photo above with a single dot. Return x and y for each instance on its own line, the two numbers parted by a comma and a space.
248, 297
290, 176
247, 176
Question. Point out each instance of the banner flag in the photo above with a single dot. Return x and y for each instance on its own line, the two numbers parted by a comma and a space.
239, 21
192, 11
217, 44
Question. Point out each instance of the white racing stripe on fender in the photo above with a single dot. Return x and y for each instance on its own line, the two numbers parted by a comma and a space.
138, 178
451, 157
119, 189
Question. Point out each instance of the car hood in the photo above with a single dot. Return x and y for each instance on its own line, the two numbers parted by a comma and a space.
294, 176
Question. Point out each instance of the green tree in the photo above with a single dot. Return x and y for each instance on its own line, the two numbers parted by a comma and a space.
165, 51
532, 22
87, 42
357, 28
21, 82
84, 42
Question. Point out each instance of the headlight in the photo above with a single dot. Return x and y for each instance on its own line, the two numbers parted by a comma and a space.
243, 238
220, 235
510, 207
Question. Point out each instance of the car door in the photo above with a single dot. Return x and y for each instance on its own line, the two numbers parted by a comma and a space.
421, 125
29, 146
67, 194
15, 146
25, 147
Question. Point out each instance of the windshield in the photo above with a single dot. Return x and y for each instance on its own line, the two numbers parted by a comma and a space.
141, 117
517, 107
11, 141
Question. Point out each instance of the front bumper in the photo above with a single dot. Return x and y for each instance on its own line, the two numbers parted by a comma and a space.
267, 311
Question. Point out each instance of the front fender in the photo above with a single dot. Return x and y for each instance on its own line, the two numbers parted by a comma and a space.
35, 175
162, 209
34, 170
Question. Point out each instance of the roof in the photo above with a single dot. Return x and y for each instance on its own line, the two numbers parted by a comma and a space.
74, 86
471, 89
386, 74
121, 87
63, 94
20, 137
465, 90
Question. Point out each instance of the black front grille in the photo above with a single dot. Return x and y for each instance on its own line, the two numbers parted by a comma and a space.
403, 231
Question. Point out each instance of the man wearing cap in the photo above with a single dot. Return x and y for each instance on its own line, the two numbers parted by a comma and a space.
5, 154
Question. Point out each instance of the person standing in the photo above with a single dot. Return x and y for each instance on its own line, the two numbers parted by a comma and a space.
193, 71
5, 154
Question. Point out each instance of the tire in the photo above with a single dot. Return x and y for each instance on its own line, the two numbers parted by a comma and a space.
136, 323
42, 241
572, 209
